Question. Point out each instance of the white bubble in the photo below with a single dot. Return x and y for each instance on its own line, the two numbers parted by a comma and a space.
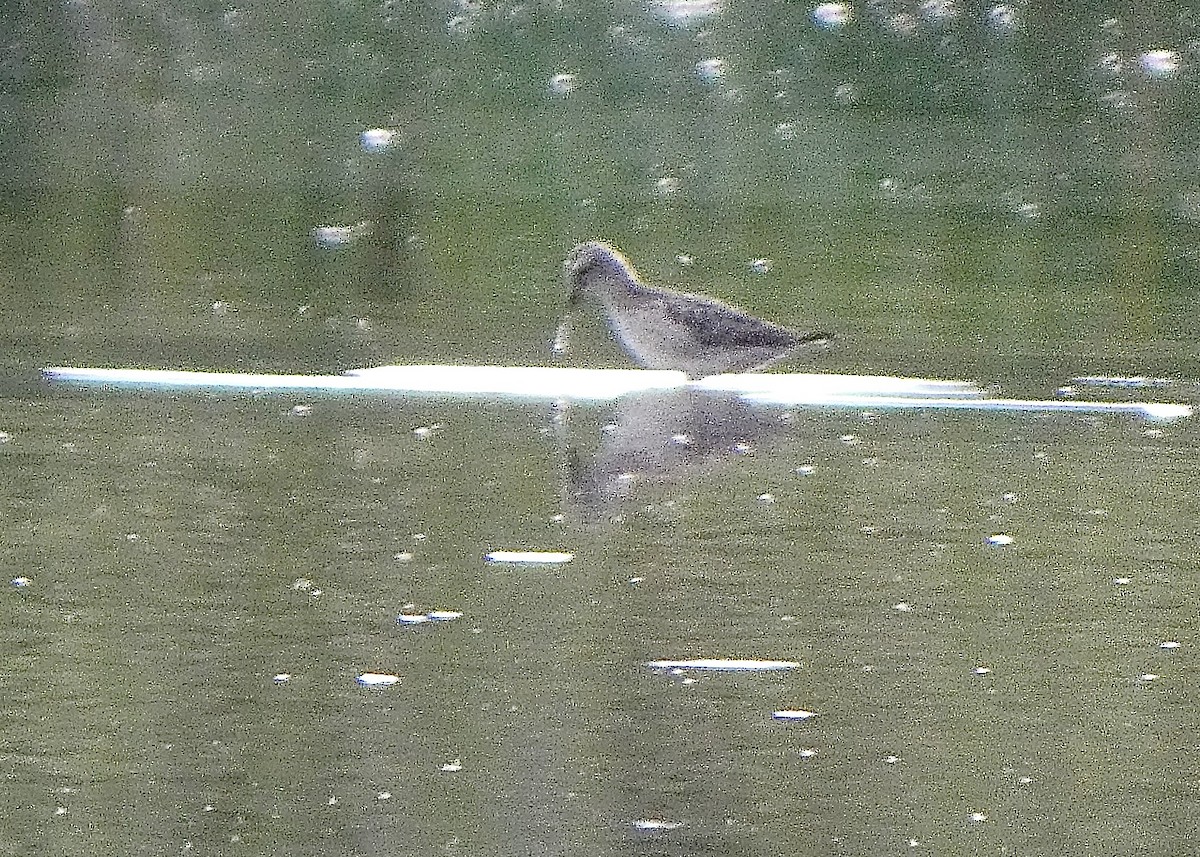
337, 237
761, 266
301, 410
684, 13
787, 131
1110, 64
1003, 20
938, 11
667, 186
529, 557
832, 16
460, 25
1027, 210
1000, 540
710, 70
376, 140
845, 94
903, 24
562, 84
377, 679
1159, 64
656, 825
793, 714
21, 582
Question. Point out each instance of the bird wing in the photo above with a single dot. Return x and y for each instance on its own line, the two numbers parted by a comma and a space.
719, 324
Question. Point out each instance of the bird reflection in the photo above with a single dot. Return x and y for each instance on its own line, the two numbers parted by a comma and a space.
659, 436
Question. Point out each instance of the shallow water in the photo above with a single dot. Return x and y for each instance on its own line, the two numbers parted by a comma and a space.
982, 609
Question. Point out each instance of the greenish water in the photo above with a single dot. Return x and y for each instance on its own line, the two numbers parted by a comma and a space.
1005, 194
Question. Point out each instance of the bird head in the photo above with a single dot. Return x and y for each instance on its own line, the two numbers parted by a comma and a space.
592, 266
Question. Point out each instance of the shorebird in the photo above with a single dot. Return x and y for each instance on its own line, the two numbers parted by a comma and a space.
665, 329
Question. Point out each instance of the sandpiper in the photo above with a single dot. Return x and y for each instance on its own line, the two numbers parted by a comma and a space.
665, 329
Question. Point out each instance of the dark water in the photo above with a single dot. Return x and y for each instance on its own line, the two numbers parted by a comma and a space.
1000, 193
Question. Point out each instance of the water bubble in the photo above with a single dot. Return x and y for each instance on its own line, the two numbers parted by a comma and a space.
1110, 65
1003, 20
710, 70
281, 678
1117, 99
655, 825
684, 260
337, 237
978, 817
903, 607
562, 85
451, 767
460, 25
300, 410
845, 94
1027, 210
684, 13
761, 266
20, 582
377, 679
999, 540
787, 131
1170, 644
938, 11
666, 186
376, 140
902, 24
722, 665
832, 16
1159, 64
529, 557
806, 470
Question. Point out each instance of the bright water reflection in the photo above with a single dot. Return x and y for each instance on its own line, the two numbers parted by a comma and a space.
983, 607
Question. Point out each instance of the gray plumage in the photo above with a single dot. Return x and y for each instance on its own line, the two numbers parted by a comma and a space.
665, 329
